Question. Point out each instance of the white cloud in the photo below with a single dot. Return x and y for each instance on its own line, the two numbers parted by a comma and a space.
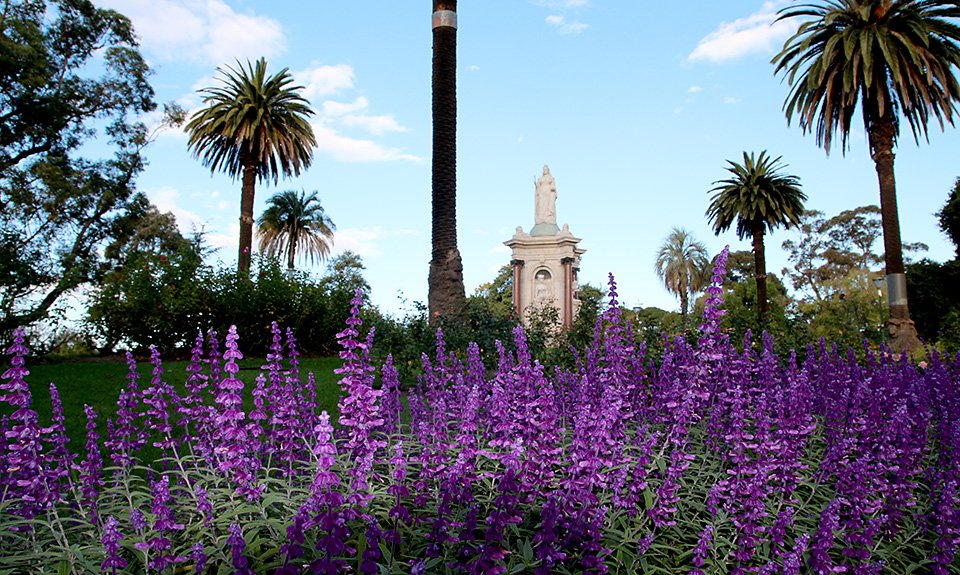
166, 199
207, 31
473, 68
694, 89
731, 100
755, 33
366, 241
346, 149
320, 81
333, 109
566, 27
227, 242
376, 125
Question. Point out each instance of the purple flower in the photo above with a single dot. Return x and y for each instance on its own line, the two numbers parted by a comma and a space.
91, 468
241, 564
164, 525
359, 411
231, 438
111, 547
192, 406
204, 507
126, 438
157, 398
58, 460
23, 461
199, 557
702, 551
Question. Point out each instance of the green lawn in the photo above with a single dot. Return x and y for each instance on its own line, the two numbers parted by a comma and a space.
98, 383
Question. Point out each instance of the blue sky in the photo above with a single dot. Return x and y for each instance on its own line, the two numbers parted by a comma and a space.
635, 106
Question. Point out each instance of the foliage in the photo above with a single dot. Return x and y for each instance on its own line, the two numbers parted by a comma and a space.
682, 264
935, 301
71, 74
949, 217
153, 288
254, 127
161, 294
834, 267
295, 222
707, 460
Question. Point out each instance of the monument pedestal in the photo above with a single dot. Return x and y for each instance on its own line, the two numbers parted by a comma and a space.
546, 260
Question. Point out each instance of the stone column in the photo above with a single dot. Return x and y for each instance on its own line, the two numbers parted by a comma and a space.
517, 269
567, 292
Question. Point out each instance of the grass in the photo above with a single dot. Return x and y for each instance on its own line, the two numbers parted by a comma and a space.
98, 384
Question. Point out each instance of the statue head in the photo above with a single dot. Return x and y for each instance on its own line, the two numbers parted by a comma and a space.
546, 169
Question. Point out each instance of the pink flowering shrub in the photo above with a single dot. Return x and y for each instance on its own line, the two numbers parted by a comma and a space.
708, 460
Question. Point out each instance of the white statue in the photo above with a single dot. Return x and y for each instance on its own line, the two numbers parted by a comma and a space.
546, 199
542, 292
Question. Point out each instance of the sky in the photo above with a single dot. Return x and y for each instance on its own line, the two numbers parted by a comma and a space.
635, 106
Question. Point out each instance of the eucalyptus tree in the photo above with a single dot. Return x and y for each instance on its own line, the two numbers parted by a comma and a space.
254, 127
71, 73
892, 60
758, 198
295, 223
683, 265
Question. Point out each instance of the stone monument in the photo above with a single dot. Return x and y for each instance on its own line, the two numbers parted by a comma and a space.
545, 260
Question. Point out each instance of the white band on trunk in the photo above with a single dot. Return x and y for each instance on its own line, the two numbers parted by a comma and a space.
445, 18
897, 289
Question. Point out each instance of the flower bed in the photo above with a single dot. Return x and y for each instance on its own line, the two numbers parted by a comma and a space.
707, 461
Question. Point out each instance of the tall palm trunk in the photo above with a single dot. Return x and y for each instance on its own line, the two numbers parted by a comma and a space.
446, 296
292, 248
882, 135
247, 191
760, 269
684, 300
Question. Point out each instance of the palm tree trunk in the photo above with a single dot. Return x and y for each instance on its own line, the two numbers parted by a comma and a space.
684, 302
292, 249
446, 292
760, 269
882, 134
247, 191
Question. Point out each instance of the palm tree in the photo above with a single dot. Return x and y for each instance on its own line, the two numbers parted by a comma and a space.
253, 127
891, 58
759, 199
295, 222
446, 295
683, 265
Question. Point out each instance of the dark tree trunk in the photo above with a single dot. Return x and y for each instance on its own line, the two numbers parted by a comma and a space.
684, 301
882, 134
760, 269
292, 249
446, 296
247, 191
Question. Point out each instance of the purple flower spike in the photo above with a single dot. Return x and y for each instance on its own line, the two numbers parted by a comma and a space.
23, 463
126, 438
359, 408
711, 310
199, 557
241, 564
59, 460
91, 468
111, 547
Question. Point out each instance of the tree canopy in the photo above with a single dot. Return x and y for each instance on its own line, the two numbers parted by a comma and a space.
71, 73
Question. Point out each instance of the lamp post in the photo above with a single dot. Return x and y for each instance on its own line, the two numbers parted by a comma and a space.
878, 283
